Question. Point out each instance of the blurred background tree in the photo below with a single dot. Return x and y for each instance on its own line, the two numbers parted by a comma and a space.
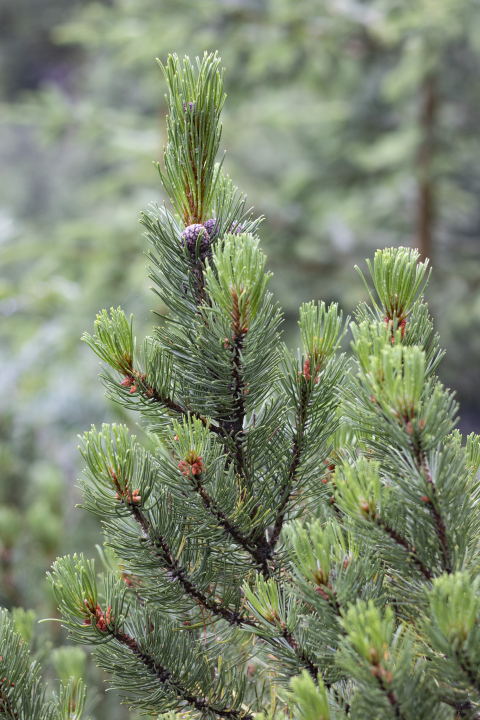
350, 125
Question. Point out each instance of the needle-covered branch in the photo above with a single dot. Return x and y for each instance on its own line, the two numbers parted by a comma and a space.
312, 393
23, 695
144, 656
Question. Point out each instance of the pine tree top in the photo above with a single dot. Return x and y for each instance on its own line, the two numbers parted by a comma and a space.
301, 531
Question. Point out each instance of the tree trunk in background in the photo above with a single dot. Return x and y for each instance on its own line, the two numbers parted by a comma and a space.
426, 191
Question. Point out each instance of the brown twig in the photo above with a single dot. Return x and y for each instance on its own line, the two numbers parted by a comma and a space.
403, 542
297, 445
167, 678
440, 528
178, 573
260, 553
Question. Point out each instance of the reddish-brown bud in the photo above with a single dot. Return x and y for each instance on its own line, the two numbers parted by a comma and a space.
402, 326
365, 507
306, 370
136, 499
192, 464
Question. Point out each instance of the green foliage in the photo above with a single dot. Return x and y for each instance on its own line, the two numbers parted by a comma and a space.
238, 283
193, 130
137, 649
113, 459
271, 448
22, 693
309, 700
301, 533
321, 332
113, 340
384, 661
398, 277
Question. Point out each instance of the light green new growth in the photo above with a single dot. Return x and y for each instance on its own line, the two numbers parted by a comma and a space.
309, 700
398, 277
194, 104
113, 340
238, 283
321, 331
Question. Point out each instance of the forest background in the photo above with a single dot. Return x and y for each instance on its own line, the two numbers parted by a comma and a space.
350, 125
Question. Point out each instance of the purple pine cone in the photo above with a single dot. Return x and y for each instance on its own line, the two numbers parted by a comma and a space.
190, 236
209, 226
235, 228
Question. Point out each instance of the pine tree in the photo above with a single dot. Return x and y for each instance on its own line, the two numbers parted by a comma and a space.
293, 530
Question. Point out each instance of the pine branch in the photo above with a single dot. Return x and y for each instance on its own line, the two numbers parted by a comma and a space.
258, 552
238, 390
403, 542
330, 597
215, 364
309, 665
440, 528
321, 330
286, 492
5, 704
433, 504
390, 695
465, 666
166, 678
238, 302
193, 135
464, 710
176, 572
22, 693
150, 393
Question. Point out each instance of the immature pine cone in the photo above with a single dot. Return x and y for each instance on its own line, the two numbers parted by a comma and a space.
190, 235
235, 228
209, 226
191, 105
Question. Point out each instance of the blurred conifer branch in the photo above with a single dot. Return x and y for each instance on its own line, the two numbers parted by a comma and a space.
22, 692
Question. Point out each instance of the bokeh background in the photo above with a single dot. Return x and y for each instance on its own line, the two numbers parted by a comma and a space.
351, 125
